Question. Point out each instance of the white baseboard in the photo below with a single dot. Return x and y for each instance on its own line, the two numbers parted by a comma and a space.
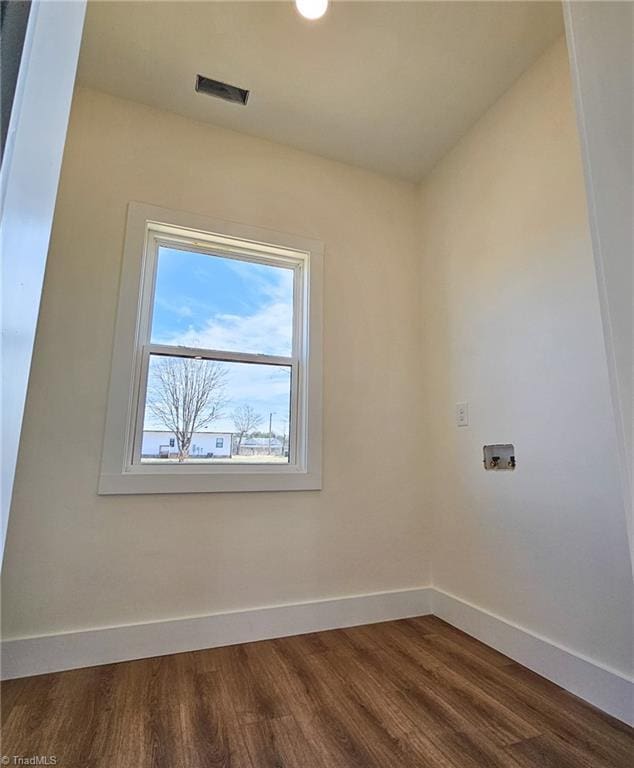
605, 688
24, 657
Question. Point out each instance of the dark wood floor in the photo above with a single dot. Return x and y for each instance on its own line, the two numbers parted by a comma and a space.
402, 694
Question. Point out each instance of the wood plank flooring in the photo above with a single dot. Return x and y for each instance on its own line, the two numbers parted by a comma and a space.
415, 693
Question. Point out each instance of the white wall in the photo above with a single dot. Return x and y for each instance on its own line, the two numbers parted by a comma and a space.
75, 560
28, 187
601, 56
480, 288
512, 325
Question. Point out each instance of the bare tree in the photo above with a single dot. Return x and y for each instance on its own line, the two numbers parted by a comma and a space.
185, 395
245, 420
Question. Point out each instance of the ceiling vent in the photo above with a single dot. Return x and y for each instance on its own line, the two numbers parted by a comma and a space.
221, 90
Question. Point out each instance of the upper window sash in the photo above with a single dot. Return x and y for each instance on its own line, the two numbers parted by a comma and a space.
161, 235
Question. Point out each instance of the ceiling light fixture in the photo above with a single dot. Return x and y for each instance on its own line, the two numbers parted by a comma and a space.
312, 9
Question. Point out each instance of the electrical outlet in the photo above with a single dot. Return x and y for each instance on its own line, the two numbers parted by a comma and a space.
462, 414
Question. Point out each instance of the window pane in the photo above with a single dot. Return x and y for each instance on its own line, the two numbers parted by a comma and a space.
214, 302
207, 411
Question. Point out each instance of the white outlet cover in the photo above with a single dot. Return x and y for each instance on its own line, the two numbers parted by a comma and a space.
462, 414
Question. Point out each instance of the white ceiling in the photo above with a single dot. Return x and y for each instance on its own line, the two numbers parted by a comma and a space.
389, 86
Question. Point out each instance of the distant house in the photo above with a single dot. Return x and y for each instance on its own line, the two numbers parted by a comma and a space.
259, 446
162, 444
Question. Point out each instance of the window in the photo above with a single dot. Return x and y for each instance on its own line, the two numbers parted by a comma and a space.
218, 331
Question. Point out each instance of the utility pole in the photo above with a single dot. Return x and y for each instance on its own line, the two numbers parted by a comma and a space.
284, 438
270, 427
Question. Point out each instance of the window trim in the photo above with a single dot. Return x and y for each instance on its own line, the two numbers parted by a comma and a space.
120, 474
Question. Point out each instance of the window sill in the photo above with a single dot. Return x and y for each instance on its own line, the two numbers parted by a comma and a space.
280, 479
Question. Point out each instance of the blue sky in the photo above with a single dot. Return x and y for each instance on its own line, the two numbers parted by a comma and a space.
221, 303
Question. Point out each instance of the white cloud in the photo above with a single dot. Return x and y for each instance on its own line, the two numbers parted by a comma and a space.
267, 331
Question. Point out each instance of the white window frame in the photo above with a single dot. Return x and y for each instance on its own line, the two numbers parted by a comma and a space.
147, 228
